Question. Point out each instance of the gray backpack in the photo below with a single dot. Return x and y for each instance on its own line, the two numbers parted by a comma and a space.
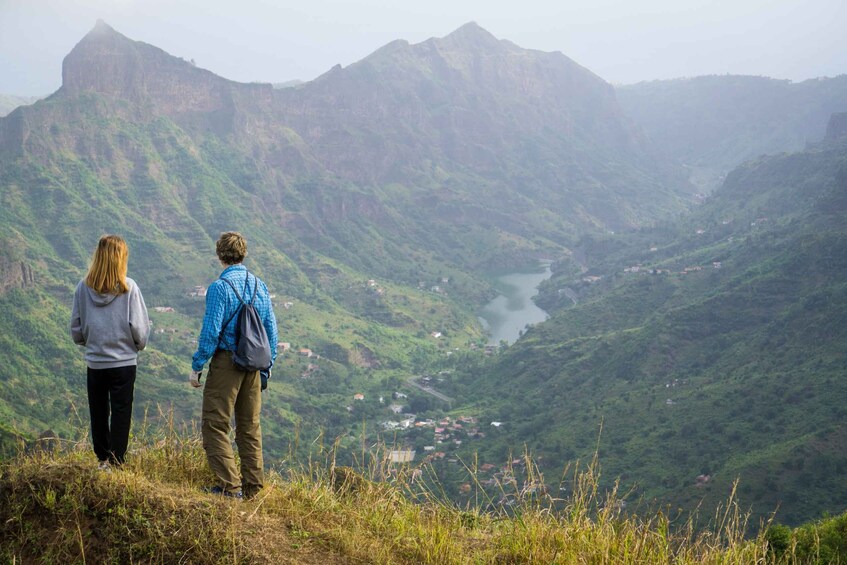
252, 348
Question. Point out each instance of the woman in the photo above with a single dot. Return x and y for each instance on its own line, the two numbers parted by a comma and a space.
110, 320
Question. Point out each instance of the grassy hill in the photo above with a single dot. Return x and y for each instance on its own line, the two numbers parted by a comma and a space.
56, 506
706, 351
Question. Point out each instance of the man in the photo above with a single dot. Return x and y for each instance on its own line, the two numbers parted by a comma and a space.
230, 389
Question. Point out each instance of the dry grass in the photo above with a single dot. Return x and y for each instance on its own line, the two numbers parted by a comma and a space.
57, 507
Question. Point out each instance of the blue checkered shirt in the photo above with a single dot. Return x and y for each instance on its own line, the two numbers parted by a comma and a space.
222, 304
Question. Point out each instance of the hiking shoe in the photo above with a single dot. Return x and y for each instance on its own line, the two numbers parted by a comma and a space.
220, 491
250, 494
105, 467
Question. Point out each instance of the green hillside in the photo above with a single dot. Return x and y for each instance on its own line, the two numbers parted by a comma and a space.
170, 196
699, 353
704, 345
355, 214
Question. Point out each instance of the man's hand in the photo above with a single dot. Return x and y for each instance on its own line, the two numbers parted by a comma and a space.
265, 375
194, 378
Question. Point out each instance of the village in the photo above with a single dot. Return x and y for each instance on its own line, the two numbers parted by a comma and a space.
433, 440
447, 435
639, 268
417, 441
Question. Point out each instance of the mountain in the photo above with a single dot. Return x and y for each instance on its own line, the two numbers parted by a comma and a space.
358, 192
378, 198
469, 126
700, 352
714, 123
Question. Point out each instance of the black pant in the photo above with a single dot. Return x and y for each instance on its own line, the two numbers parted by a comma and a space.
111, 390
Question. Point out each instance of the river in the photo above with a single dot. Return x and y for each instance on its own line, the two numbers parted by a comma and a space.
509, 313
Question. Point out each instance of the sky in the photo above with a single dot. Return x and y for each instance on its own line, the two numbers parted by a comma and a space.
623, 41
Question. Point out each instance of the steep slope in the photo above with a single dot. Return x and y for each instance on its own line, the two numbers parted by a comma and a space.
141, 160
714, 123
706, 351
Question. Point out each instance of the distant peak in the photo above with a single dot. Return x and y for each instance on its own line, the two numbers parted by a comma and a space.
472, 34
108, 62
102, 28
471, 28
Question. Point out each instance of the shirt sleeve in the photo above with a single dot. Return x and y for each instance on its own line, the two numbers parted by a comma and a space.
139, 321
216, 299
76, 320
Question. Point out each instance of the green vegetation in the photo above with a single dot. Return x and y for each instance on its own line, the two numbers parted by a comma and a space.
352, 220
376, 199
56, 506
170, 197
730, 370
824, 541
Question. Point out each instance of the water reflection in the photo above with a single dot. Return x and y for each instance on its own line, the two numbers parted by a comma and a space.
509, 313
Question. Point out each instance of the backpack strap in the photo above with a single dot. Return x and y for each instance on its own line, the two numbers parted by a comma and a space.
255, 287
232, 286
235, 290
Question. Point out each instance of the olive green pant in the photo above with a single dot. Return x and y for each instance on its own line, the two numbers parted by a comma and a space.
230, 390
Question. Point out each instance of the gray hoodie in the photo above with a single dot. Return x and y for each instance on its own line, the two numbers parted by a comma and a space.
112, 327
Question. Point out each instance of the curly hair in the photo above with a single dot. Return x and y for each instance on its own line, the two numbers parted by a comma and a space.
231, 248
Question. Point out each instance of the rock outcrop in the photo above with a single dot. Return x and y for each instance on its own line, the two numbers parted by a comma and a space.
15, 274
836, 128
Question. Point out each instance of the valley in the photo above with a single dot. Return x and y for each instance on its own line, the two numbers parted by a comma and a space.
686, 326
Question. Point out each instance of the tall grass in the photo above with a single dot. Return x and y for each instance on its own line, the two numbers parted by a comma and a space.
55, 506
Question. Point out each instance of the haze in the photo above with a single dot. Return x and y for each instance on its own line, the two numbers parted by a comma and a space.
263, 40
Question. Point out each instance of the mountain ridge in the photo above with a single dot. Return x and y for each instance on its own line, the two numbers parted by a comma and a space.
474, 107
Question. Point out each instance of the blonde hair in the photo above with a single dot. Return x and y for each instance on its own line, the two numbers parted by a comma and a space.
107, 274
231, 248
